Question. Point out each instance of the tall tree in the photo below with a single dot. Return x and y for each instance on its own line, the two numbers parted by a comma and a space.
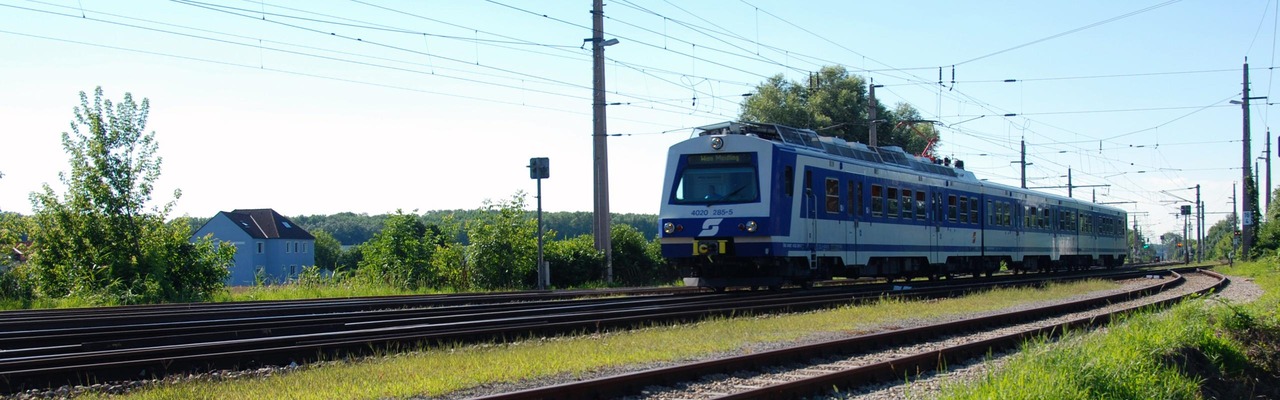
99, 238
400, 255
328, 250
835, 103
502, 246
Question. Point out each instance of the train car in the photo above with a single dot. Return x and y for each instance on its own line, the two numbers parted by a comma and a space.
763, 205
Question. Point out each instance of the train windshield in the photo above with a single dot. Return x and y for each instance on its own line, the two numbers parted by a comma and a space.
717, 179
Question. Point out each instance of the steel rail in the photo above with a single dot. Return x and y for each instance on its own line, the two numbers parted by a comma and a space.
620, 385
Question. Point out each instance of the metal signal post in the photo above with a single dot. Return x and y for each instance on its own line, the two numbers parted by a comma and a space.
539, 169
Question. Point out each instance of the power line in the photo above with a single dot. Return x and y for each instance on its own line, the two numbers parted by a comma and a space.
1068, 32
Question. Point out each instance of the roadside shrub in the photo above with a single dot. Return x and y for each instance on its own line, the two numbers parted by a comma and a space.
574, 261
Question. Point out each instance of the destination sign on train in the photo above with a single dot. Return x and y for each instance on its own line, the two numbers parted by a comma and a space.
725, 158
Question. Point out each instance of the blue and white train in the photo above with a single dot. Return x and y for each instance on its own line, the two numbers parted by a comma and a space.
763, 205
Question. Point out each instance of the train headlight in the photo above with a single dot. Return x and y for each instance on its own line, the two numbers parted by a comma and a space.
669, 228
717, 143
751, 226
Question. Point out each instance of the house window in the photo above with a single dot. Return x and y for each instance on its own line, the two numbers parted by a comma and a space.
833, 196
293, 270
286, 247
304, 247
261, 247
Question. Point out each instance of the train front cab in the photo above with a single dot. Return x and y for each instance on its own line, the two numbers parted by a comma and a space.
716, 224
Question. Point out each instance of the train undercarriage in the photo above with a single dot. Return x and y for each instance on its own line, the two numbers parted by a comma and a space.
774, 272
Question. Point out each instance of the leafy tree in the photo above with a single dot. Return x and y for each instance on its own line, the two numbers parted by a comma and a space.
503, 245
1268, 232
350, 259
328, 250
98, 239
1258, 248
400, 255
835, 103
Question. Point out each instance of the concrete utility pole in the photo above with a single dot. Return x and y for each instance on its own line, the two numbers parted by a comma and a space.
1246, 203
603, 233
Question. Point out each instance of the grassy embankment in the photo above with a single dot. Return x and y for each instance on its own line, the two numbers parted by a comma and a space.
1199, 349
439, 370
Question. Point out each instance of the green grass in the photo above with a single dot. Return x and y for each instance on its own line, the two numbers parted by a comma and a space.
351, 288
1149, 355
439, 370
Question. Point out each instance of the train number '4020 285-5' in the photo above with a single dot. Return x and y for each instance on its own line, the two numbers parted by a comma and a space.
714, 212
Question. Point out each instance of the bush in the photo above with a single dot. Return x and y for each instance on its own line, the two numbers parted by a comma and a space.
574, 261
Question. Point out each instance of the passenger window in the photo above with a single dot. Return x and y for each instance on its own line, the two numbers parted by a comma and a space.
860, 206
908, 211
920, 210
853, 198
973, 210
808, 183
964, 209
992, 214
789, 180
951, 207
892, 196
877, 200
833, 196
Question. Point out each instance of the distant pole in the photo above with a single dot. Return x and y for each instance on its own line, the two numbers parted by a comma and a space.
1199, 226
1246, 217
1069, 186
603, 234
1266, 194
871, 140
1024, 164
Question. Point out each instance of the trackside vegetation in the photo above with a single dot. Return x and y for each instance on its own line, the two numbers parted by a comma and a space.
1201, 348
440, 370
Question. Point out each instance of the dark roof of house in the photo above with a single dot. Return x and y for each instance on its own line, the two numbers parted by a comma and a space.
266, 223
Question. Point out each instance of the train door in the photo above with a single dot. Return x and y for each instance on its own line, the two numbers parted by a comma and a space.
834, 220
935, 239
855, 211
811, 220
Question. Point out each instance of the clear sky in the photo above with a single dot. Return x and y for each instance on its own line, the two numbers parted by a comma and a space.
319, 107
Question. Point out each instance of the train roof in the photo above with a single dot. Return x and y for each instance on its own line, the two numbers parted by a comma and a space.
892, 156
808, 139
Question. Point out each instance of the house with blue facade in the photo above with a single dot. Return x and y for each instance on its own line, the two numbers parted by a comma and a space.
269, 246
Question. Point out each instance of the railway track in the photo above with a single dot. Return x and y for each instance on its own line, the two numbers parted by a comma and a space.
814, 370
41, 349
